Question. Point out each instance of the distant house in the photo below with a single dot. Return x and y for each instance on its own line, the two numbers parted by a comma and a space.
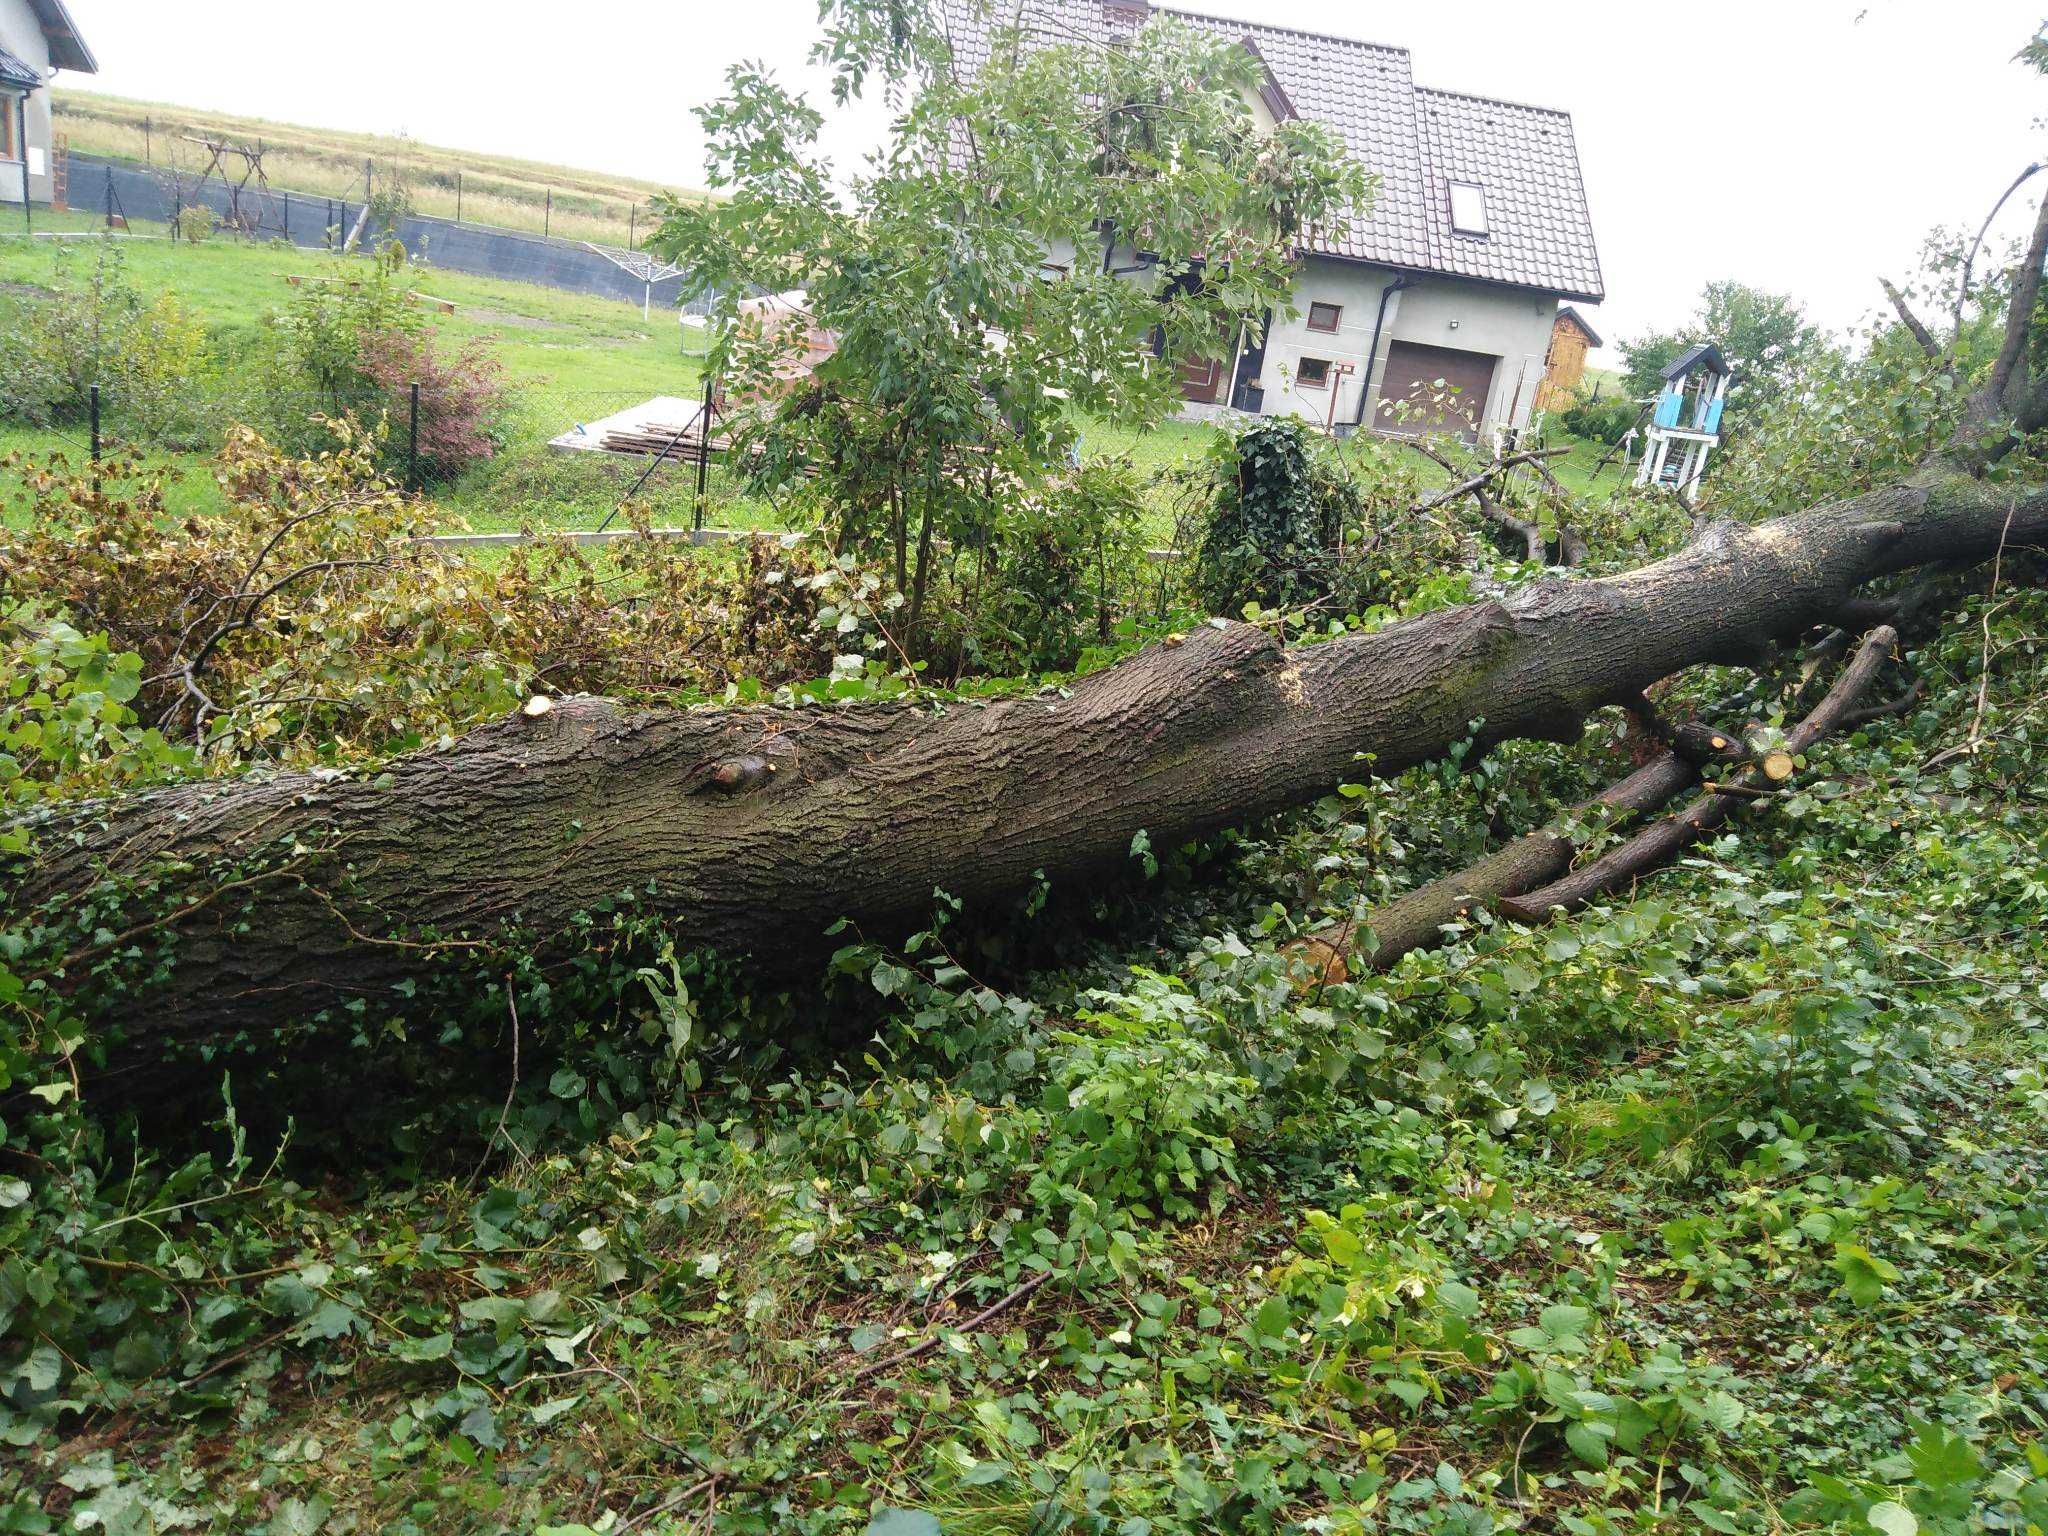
1570, 338
1434, 309
37, 38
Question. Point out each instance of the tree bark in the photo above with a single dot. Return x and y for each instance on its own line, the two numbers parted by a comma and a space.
752, 830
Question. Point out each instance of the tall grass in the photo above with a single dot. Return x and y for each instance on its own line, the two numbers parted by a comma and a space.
494, 189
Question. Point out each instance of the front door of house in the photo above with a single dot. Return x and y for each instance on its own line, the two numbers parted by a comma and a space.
1201, 380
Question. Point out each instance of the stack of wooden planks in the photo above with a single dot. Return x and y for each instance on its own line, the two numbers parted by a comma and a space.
666, 439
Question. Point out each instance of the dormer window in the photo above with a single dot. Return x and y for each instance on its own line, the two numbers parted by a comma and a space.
1468, 208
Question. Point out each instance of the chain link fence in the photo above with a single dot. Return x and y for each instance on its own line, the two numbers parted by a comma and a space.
551, 460
119, 195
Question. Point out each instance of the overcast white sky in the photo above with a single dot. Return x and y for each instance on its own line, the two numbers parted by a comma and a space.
1802, 145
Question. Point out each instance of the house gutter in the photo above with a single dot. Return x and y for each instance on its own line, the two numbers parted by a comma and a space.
1372, 352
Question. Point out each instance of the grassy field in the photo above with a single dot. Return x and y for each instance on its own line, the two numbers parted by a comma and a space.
495, 189
567, 359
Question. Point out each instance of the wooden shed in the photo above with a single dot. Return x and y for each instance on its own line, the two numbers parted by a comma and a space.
1570, 337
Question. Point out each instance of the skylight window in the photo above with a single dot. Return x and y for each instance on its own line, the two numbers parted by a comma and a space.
1468, 208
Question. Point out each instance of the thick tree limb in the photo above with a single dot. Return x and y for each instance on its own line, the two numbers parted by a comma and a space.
1657, 845
1912, 322
1417, 920
2011, 403
520, 830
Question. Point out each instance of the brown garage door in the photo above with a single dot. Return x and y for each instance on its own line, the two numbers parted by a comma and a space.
1433, 389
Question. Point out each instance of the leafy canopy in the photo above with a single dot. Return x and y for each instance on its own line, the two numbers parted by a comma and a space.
1766, 338
1042, 238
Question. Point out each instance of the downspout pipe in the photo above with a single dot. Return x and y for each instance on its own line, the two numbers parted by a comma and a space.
1372, 352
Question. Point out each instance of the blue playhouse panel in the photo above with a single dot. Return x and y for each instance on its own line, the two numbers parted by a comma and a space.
1667, 409
1713, 421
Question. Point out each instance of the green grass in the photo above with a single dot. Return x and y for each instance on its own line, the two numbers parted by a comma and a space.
496, 189
567, 358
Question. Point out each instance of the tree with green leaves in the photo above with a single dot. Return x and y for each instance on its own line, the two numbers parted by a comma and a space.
1044, 238
1766, 338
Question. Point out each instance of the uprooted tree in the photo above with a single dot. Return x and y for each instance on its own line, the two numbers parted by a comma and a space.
752, 830
208, 908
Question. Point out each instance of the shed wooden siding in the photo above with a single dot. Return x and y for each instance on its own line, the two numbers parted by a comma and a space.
1565, 365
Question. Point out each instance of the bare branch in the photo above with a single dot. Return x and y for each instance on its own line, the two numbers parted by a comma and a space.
2009, 382
1912, 322
1653, 846
1970, 257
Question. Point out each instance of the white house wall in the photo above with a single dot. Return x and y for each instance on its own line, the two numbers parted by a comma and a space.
1357, 289
22, 35
1510, 324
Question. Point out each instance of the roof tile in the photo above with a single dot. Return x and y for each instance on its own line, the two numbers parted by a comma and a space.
1417, 140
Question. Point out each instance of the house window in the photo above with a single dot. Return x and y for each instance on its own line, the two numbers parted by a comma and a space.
1468, 208
1312, 373
1324, 317
10, 107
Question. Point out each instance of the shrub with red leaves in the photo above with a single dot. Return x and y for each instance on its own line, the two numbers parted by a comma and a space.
462, 398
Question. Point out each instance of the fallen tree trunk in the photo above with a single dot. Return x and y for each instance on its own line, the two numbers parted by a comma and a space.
240, 903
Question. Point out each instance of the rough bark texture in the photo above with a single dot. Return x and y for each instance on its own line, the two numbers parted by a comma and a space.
753, 829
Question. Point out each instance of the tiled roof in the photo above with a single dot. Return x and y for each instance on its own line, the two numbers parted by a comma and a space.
1540, 234
17, 73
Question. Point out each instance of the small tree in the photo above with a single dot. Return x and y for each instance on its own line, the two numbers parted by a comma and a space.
968, 274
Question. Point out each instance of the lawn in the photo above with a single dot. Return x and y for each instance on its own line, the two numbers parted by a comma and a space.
495, 189
567, 359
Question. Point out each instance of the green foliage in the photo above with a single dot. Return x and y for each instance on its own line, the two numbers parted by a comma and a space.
353, 342
1764, 336
1054, 571
148, 356
310, 626
960, 356
195, 222
1604, 420
66, 717
1272, 537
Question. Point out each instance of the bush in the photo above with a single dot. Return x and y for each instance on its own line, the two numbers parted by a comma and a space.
1599, 420
1274, 523
462, 398
354, 344
366, 640
195, 222
150, 359
1058, 565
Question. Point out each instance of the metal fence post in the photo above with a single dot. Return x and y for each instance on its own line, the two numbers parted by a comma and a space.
703, 451
547, 217
28, 219
632, 224
458, 197
412, 439
109, 195
95, 406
